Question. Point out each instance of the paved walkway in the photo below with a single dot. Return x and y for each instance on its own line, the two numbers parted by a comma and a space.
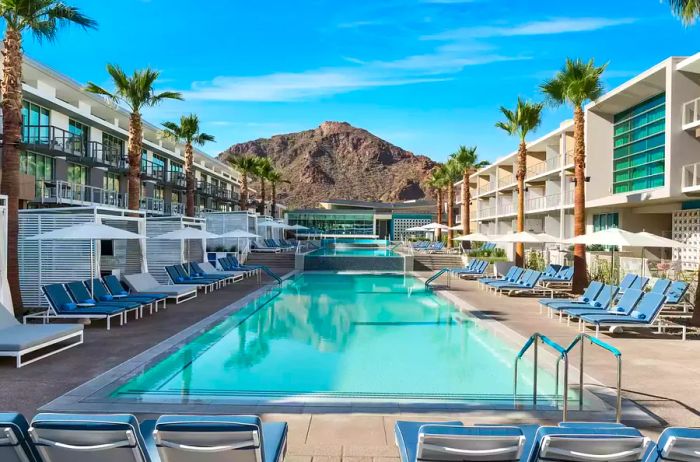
659, 374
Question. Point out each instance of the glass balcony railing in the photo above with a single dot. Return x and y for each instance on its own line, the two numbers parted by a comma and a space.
64, 192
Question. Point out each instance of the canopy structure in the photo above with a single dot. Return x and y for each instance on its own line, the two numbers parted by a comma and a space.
187, 233
660, 241
240, 234
87, 232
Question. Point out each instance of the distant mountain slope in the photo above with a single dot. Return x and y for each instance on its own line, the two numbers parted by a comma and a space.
339, 161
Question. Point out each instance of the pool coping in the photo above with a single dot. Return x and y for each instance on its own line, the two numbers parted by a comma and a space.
93, 395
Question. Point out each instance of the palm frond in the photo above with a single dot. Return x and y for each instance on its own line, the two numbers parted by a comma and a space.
43, 18
688, 11
576, 83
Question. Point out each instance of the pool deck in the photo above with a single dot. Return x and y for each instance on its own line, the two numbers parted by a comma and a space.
660, 373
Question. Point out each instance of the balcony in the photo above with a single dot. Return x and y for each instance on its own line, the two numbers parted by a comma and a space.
63, 192
543, 167
487, 212
176, 179
151, 171
175, 209
569, 196
55, 141
152, 205
691, 114
487, 188
506, 209
507, 180
206, 189
690, 182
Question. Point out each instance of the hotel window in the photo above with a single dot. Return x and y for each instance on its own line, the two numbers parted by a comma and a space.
38, 166
113, 146
144, 161
159, 192
77, 174
175, 197
111, 182
158, 163
175, 167
81, 132
35, 123
604, 221
639, 146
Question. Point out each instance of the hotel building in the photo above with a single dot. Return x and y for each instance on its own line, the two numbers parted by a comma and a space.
74, 154
642, 168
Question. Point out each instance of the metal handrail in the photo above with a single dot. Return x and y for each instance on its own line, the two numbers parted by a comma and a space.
618, 355
434, 277
535, 339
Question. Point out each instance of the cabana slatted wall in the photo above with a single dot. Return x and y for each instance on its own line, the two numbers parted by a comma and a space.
127, 253
225, 222
43, 262
162, 253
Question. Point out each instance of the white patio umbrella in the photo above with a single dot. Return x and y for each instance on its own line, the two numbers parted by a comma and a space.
187, 233
87, 232
455, 228
478, 237
525, 237
433, 226
239, 234
298, 228
416, 229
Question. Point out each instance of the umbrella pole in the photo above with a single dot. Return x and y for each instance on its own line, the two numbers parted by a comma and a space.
92, 277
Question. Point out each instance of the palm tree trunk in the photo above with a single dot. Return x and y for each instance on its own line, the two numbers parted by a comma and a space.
262, 197
189, 180
580, 271
520, 176
439, 212
466, 206
273, 185
450, 213
243, 200
135, 147
11, 92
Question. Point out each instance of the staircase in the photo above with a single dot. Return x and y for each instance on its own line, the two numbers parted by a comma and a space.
280, 263
433, 262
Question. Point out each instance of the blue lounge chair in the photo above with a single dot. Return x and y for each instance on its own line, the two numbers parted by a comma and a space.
643, 315
512, 275
186, 272
523, 275
196, 270
551, 270
476, 268
15, 443
452, 441
677, 444
588, 296
177, 279
219, 438
62, 305
118, 290
436, 247
470, 267
102, 293
528, 286
675, 296
602, 301
206, 269
564, 276
83, 297
588, 442
624, 306
237, 265
661, 286
85, 437
627, 282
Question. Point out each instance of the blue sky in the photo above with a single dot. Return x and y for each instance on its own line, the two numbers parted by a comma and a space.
427, 75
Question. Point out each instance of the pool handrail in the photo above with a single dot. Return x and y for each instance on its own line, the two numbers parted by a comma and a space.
606, 346
534, 339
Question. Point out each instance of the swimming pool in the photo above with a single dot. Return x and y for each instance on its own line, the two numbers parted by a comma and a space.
353, 252
340, 337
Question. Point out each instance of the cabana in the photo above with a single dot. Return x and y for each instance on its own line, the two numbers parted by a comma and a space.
225, 222
43, 262
5, 296
164, 252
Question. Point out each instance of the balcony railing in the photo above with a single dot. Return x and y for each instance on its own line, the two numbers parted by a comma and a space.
506, 180
543, 167
57, 141
536, 203
569, 196
152, 205
174, 208
691, 112
205, 188
152, 170
487, 212
488, 187
691, 177
176, 178
506, 209
64, 192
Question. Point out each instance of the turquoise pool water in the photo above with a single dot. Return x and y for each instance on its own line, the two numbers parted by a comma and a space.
337, 337
353, 252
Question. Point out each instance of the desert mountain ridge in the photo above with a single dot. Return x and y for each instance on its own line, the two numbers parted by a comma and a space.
339, 161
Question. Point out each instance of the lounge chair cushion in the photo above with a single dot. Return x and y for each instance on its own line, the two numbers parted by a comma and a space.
69, 306
18, 427
407, 436
21, 337
678, 444
106, 298
574, 443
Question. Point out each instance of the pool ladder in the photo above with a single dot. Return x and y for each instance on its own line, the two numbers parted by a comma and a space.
270, 273
435, 276
563, 354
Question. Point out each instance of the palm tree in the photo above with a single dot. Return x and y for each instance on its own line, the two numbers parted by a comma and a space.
525, 119
275, 178
43, 19
247, 165
468, 162
136, 92
577, 83
262, 171
689, 12
453, 172
437, 183
189, 134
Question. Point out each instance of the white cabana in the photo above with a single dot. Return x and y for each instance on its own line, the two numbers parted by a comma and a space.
87, 232
239, 234
5, 296
186, 234
166, 252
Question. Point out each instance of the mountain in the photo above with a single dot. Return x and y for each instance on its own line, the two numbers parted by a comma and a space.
339, 161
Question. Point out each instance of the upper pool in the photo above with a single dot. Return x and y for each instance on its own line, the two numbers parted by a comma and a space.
340, 337
353, 252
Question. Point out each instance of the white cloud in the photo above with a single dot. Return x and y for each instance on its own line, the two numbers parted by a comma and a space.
358, 24
547, 27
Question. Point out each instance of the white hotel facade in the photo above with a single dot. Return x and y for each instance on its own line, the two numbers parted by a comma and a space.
643, 165
74, 154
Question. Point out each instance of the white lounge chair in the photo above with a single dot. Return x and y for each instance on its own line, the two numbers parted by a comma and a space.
17, 340
145, 283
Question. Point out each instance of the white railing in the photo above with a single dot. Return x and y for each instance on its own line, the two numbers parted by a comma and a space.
64, 192
506, 180
691, 177
487, 212
535, 203
691, 111
553, 200
151, 204
174, 208
569, 196
569, 157
506, 209
543, 167
490, 186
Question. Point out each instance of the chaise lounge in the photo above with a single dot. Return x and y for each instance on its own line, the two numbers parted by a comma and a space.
145, 283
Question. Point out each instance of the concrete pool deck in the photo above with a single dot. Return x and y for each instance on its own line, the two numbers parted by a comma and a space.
659, 373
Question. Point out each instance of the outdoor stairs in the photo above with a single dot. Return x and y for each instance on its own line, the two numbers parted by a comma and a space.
278, 262
434, 262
